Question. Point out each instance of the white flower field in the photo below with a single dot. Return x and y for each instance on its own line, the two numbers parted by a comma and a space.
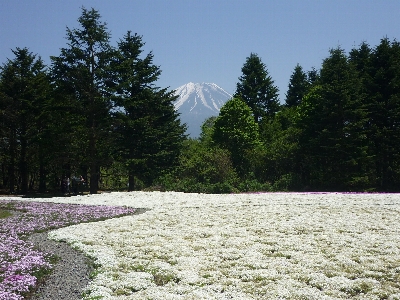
242, 246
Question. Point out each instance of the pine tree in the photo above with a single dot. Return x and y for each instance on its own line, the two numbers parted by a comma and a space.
384, 109
332, 118
361, 60
312, 76
257, 88
298, 87
150, 133
24, 89
82, 72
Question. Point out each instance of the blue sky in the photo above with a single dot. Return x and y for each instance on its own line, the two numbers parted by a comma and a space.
209, 40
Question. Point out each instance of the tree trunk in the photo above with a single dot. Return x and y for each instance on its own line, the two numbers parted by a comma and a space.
23, 165
131, 182
11, 167
4, 175
11, 176
93, 179
93, 164
42, 178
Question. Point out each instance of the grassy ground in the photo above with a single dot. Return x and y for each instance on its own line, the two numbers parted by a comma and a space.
4, 214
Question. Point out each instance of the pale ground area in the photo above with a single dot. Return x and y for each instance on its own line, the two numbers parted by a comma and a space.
244, 246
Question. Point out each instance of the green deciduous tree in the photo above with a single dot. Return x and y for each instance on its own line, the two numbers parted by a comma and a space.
206, 130
281, 156
257, 88
202, 168
236, 130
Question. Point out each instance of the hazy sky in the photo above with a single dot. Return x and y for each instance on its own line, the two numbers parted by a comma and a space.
209, 40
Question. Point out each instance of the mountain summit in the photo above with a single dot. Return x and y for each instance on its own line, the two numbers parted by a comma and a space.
197, 102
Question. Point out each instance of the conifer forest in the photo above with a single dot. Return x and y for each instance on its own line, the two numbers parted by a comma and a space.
96, 111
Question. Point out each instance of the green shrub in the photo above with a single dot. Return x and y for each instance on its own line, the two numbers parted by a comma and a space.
252, 185
287, 182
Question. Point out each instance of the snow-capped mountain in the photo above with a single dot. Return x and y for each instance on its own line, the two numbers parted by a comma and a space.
197, 102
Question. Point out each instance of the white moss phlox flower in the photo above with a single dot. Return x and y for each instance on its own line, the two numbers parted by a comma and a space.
246, 246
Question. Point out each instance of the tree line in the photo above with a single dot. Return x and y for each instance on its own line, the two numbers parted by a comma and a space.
338, 129
97, 112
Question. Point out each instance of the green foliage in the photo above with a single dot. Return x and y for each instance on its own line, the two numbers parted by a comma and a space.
253, 185
4, 214
24, 93
97, 112
149, 133
101, 114
114, 177
281, 155
82, 74
382, 74
236, 131
257, 88
331, 119
207, 130
287, 182
202, 169
298, 87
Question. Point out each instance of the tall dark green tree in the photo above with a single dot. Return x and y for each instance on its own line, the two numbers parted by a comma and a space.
361, 60
312, 76
24, 93
332, 119
150, 133
298, 87
384, 109
82, 73
257, 88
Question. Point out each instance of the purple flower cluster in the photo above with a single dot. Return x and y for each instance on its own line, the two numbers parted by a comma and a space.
19, 261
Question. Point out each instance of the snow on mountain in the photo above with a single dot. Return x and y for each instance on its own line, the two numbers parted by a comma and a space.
197, 102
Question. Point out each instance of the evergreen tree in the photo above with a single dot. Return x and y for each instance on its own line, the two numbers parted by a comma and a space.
361, 59
312, 76
332, 119
257, 88
25, 89
384, 109
150, 133
82, 72
298, 87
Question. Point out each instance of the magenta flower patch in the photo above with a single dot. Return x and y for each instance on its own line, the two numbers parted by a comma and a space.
19, 261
